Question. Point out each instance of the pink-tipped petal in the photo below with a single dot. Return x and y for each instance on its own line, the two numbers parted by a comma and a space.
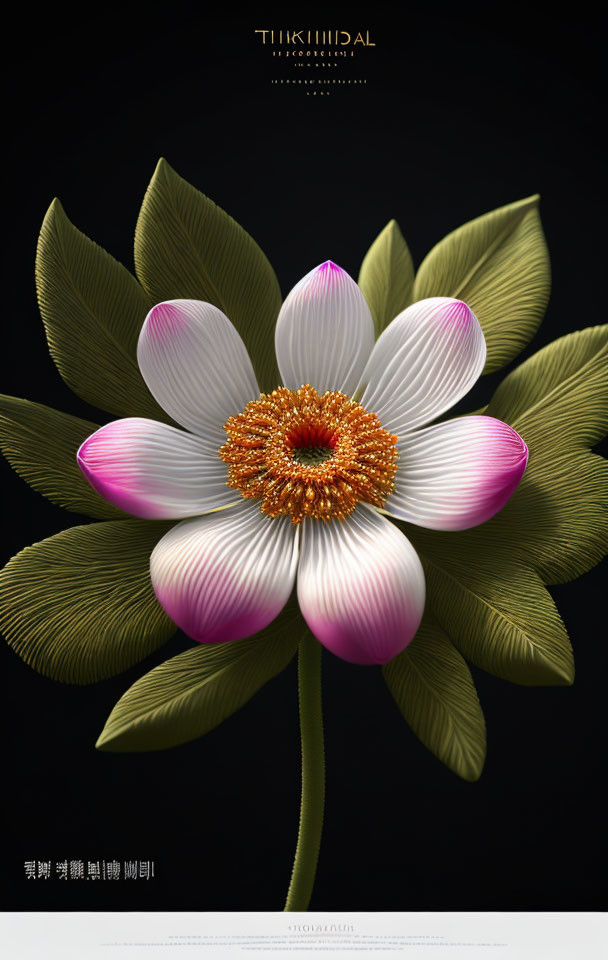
360, 586
325, 332
152, 470
196, 366
227, 575
423, 363
457, 474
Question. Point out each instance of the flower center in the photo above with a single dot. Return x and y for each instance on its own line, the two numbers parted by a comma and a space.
312, 455
309, 455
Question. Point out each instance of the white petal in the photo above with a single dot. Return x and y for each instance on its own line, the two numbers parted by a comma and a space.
153, 470
423, 363
325, 332
360, 586
196, 366
226, 575
457, 474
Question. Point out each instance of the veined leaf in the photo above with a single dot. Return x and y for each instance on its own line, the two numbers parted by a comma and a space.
434, 691
186, 247
481, 587
559, 396
499, 265
557, 519
557, 400
387, 276
40, 444
93, 310
79, 606
495, 610
192, 693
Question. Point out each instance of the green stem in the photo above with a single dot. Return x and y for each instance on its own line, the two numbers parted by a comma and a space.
313, 775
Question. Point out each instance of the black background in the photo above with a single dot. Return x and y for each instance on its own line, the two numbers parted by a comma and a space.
461, 113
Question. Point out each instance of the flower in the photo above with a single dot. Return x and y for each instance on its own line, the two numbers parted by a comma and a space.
302, 482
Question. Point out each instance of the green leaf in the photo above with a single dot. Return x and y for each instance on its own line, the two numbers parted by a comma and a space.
192, 693
499, 265
40, 444
186, 247
559, 396
93, 310
557, 519
79, 606
387, 276
495, 610
434, 691
481, 585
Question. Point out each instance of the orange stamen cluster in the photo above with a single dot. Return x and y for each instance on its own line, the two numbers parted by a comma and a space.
309, 455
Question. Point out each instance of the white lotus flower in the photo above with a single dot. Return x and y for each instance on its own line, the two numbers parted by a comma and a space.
290, 486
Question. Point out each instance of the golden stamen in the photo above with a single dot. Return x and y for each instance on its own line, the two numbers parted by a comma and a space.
309, 455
